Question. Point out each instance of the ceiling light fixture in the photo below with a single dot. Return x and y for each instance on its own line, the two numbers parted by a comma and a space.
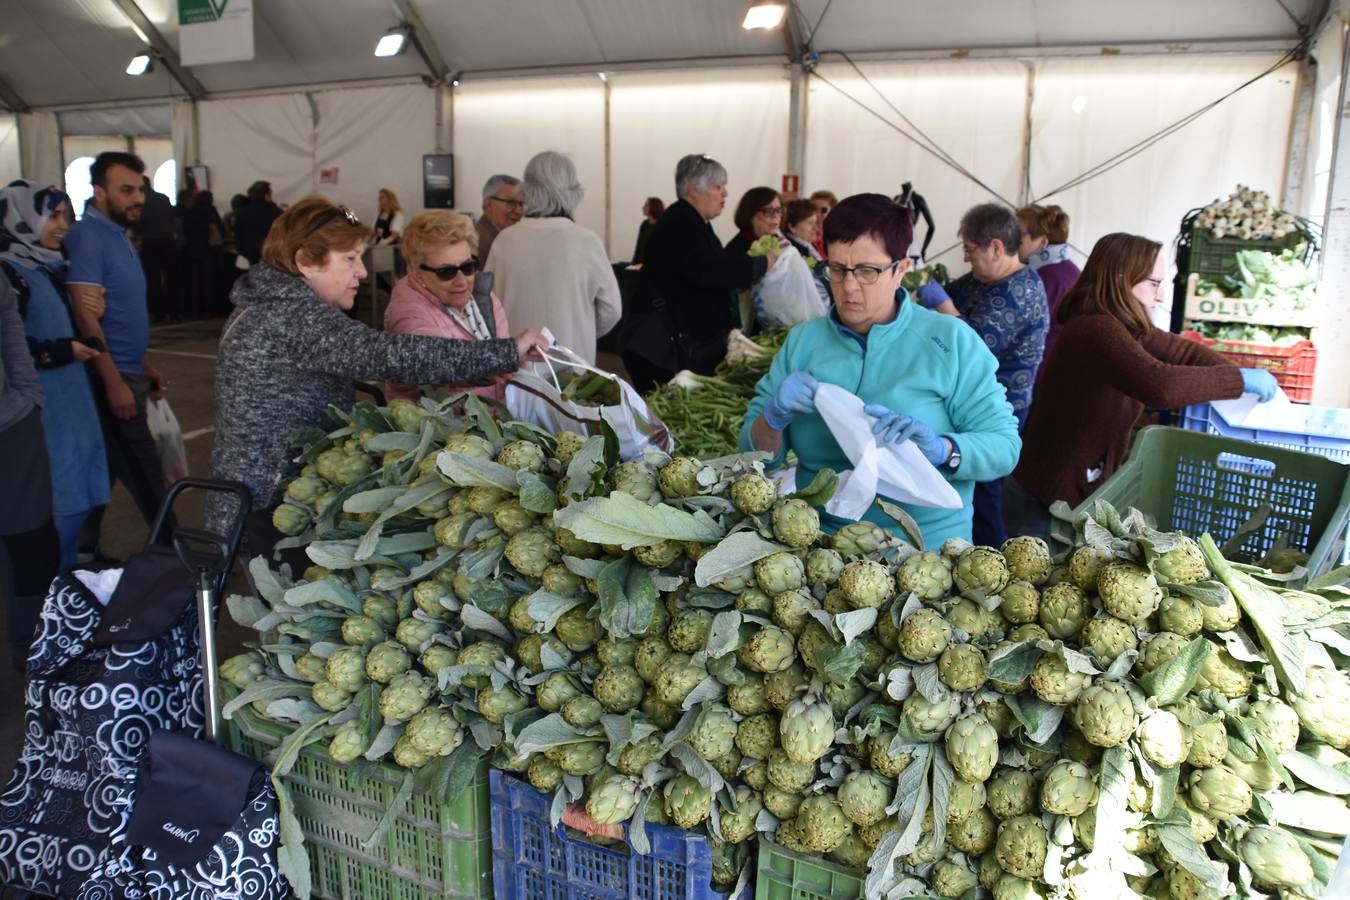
139, 65
764, 14
604, 76
392, 42
455, 79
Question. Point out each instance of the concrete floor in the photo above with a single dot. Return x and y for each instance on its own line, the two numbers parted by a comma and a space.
185, 354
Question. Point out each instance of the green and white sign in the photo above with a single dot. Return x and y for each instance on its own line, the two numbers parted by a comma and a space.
215, 31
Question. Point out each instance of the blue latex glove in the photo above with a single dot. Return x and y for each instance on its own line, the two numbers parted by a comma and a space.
1259, 382
932, 295
893, 427
797, 394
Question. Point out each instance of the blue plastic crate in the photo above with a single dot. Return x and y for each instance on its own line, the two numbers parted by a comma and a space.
532, 860
1324, 430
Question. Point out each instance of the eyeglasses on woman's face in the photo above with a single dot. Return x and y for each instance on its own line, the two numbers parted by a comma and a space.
447, 273
771, 212
865, 273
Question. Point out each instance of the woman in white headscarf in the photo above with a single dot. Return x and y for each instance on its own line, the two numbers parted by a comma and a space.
33, 220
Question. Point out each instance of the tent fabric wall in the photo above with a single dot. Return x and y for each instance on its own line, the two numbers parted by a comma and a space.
10, 168
375, 138
974, 110
268, 137
500, 124
183, 130
1086, 111
737, 116
40, 147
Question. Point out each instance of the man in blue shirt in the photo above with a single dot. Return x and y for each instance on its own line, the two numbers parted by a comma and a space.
105, 273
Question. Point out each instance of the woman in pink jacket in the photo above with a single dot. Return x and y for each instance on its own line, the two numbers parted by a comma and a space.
444, 294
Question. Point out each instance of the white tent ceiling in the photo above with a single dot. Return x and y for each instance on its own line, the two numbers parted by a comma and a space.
71, 52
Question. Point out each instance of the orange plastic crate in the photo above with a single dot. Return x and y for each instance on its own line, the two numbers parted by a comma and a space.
1293, 367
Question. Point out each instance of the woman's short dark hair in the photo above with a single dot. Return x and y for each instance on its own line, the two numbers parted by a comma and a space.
798, 211
987, 222
870, 214
1049, 222
752, 201
656, 207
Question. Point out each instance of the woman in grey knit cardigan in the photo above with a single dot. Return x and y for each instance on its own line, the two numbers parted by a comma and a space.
289, 350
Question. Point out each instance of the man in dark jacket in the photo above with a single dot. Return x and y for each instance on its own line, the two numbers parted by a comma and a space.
687, 280
255, 220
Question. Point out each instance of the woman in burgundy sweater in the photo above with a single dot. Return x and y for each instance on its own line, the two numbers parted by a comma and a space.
1109, 363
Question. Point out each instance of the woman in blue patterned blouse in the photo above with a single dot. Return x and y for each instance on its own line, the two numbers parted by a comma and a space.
1004, 301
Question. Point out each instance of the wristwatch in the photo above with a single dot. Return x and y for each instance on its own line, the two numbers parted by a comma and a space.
954, 460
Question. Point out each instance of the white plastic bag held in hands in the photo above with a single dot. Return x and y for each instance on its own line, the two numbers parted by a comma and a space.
787, 294
168, 437
534, 395
897, 471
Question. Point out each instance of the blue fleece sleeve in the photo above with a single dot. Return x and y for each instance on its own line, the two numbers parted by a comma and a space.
985, 427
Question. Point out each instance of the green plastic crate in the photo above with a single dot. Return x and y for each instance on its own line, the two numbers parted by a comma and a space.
1197, 483
784, 875
1213, 258
432, 851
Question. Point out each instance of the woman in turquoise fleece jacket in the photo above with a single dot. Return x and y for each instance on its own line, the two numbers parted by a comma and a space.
925, 377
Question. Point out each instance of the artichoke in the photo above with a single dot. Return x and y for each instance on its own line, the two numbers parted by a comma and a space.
1022, 846
1180, 615
753, 494
290, 519
1068, 789
866, 583
360, 631
926, 575
1105, 715
511, 518
1011, 793
1184, 564
1324, 706
782, 803
795, 523
577, 630
1276, 859
789, 774
1021, 602
434, 732
747, 697
404, 696
346, 669
1221, 672
566, 445
1159, 649
806, 728
687, 802
1027, 558
1164, 741
582, 711
981, 572
659, 555
858, 539
715, 734
792, 610
823, 566
555, 690
738, 821
1055, 683
1219, 792
1108, 637
771, 649
863, 796
820, 824
311, 668
1209, 744
779, 572
613, 800
1128, 591
386, 660
754, 600
972, 747
1224, 617
619, 688
649, 656
975, 833
522, 456
924, 635
437, 657
543, 774
482, 653
966, 798
962, 667
927, 718
635, 757
243, 669
880, 757
981, 624
1063, 611
757, 735
583, 758
689, 630
414, 633
348, 743
679, 478
1277, 722
676, 678
532, 551
952, 880
1086, 564
635, 478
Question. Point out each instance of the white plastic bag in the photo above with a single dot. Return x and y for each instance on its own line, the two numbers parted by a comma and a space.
168, 439
899, 471
534, 395
787, 294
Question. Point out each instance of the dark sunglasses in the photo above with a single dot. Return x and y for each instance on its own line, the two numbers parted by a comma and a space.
448, 273
340, 211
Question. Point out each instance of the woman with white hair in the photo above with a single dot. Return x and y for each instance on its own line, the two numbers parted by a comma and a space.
548, 270
688, 280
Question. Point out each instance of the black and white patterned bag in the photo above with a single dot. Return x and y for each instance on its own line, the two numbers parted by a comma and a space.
200, 824
100, 682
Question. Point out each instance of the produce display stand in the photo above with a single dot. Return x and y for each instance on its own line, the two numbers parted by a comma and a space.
1198, 483
433, 851
784, 875
533, 860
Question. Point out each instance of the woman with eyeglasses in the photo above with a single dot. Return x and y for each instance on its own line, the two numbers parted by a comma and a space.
1109, 363
924, 377
1004, 301
444, 294
288, 352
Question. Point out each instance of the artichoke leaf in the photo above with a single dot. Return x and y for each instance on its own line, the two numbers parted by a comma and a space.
1175, 678
624, 520
1310, 811
736, 551
1315, 773
468, 471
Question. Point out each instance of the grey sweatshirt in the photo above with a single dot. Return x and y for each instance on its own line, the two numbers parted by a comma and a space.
285, 355
19, 388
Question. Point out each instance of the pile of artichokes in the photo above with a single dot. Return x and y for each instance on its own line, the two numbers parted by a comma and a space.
665, 640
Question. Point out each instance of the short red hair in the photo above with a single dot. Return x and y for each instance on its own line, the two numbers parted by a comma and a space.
311, 228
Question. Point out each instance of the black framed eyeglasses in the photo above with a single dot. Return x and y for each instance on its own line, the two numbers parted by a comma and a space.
864, 272
448, 273
340, 211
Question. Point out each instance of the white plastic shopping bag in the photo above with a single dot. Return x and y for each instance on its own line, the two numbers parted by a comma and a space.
787, 294
168, 439
535, 395
898, 471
